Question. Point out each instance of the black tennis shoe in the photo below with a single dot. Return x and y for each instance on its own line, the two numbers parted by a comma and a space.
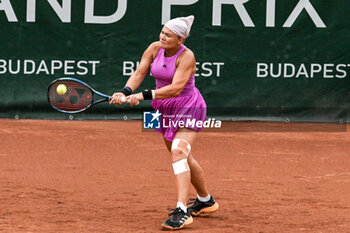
201, 208
178, 219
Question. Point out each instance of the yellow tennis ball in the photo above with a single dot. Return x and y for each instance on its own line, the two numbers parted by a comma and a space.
61, 89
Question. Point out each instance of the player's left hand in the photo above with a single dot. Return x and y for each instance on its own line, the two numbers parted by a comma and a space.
134, 99
117, 98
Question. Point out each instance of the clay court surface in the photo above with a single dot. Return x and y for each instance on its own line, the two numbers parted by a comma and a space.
110, 176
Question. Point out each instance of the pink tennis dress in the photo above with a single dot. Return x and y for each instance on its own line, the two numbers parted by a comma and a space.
188, 109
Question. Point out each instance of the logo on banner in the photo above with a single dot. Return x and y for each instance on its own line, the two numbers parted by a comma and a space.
155, 120
151, 120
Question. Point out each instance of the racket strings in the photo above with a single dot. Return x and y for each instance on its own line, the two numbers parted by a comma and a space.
76, 97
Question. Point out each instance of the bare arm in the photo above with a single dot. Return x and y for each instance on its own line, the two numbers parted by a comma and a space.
138, 76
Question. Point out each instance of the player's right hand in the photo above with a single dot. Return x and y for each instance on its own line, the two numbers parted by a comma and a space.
117, 98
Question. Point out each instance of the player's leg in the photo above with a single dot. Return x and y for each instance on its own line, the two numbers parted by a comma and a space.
197, 174
180, 152
180, 149
187, 170
204, 203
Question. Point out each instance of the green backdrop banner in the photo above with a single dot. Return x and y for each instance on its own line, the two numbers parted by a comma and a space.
256, 60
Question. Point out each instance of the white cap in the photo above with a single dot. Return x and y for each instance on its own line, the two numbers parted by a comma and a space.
181, 26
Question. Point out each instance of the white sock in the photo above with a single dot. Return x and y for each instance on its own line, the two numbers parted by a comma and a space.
182, 206
203, 199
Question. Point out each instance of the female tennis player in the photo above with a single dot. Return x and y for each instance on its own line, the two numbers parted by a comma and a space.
174, 67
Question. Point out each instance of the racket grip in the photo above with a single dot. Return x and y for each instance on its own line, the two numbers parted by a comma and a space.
123, 99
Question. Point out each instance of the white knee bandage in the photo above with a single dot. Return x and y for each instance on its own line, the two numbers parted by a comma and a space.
182, 145
180, 166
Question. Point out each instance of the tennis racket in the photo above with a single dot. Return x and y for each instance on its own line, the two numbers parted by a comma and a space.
70, 95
